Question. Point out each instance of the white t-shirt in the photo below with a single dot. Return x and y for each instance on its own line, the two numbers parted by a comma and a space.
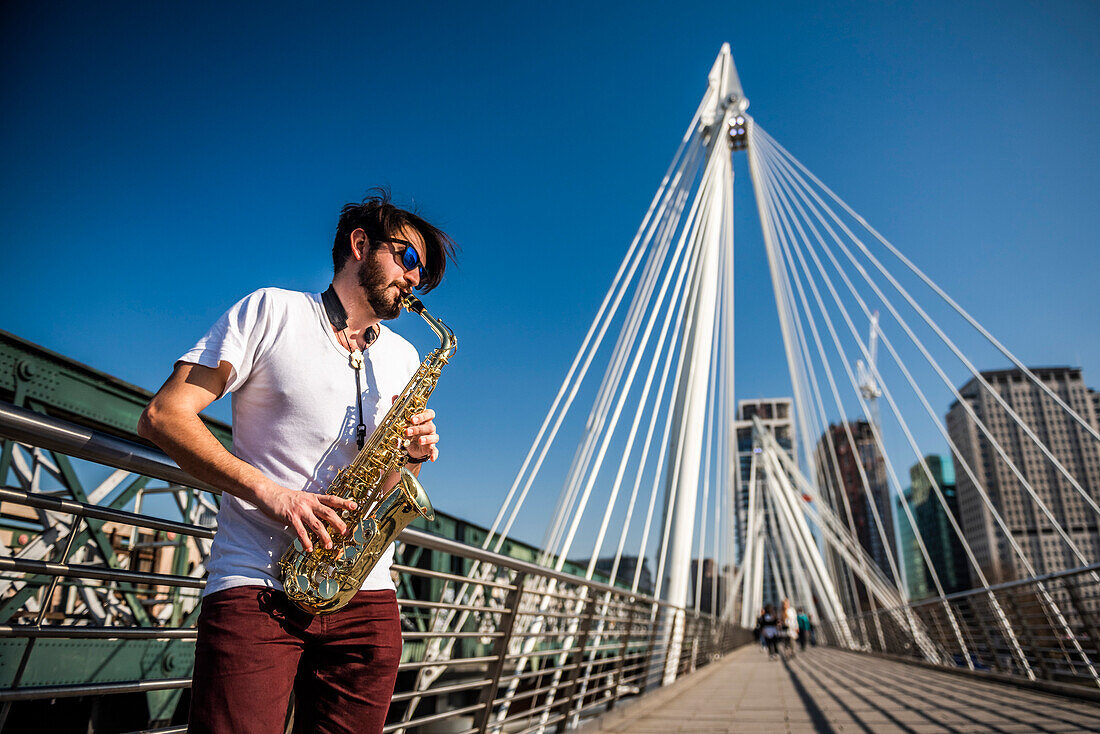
792, 622
294, 418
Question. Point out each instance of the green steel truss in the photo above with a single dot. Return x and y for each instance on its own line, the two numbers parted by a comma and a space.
36, 378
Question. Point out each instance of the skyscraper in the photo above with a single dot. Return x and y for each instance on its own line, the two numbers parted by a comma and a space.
777, 416
852, 475
916, 570
712, 586
940, 539
1077, 451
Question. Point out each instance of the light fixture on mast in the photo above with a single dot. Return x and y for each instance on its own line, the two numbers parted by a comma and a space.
738, 131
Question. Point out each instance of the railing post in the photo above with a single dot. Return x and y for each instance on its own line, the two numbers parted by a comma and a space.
957, 626
673, 621
47, 598
577, 662
618, 674
693, 660
686, 657
1024, 636
508, 623
655, 616
984, 627
1088, 621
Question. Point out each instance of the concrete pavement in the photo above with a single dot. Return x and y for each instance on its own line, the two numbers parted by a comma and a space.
827, 690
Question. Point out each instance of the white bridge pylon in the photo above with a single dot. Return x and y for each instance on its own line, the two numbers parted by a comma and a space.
659, 473
712, 238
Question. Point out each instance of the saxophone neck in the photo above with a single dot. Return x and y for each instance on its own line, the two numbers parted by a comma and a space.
447, 341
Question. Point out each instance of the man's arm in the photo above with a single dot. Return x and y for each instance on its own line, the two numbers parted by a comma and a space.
171, 421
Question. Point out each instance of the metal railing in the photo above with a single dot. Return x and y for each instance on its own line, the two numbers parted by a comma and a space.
492, 643
1047, 629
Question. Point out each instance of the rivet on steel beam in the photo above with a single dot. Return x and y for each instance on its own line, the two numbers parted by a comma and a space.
26, 369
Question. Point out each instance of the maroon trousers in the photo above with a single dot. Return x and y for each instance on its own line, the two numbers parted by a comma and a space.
255, 647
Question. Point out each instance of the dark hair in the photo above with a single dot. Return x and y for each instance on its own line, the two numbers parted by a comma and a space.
380, 219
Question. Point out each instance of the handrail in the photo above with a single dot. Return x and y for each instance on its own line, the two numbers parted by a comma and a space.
624, 657
29, 427
100, 573
1047, 653
81, 509
446, 545
983, 591
47, 432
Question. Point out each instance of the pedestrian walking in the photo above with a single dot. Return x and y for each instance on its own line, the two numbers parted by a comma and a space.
769, 628
788, 624
804, 627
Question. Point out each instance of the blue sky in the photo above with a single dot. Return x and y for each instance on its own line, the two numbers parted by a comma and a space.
159, 161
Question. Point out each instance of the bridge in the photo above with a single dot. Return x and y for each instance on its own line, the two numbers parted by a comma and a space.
831, 690
956, 601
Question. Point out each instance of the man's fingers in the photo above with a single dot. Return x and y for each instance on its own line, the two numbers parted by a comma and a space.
421, 430
330, 516
428, 440
335, 502
303, 536
424, 417
314, 523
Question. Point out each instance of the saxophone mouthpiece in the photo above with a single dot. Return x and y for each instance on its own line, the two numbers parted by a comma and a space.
412, 304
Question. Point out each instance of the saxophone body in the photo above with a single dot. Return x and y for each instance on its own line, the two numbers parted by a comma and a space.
325, 580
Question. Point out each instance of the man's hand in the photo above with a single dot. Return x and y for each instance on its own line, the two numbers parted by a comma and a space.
421, 436
303, 511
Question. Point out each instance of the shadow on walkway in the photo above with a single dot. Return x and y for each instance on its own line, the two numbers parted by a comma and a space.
834, 692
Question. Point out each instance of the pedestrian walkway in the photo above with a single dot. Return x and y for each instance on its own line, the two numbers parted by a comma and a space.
828, 690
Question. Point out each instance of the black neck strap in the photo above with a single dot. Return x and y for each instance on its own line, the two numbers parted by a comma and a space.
337, 316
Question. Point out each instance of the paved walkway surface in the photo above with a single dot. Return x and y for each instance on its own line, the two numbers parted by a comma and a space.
827, 690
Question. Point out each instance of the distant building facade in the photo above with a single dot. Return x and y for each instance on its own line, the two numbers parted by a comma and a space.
777, 415
712, 586
1078, 452
852, 476
916, 570
624, 576
934, 525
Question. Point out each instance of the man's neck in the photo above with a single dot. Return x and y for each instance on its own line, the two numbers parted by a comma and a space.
359, 313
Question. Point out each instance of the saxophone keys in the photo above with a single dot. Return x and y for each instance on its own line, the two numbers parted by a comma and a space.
369, 528
303, 583
349, 553
327, 589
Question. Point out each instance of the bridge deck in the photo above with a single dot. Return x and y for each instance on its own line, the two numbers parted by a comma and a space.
827, 690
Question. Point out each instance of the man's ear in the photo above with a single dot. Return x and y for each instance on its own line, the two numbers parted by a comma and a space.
360, 245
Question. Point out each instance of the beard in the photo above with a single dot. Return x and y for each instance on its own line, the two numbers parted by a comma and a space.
373, 282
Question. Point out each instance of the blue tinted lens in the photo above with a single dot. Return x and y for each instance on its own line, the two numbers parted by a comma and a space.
409, 258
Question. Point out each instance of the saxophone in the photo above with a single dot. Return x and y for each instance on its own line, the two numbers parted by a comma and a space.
324, 581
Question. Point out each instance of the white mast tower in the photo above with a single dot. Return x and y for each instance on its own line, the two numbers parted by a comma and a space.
721, 128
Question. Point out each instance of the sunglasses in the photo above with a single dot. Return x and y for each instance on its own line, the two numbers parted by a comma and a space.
408, 256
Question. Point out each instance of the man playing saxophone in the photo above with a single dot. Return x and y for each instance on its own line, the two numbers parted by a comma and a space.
311, 375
